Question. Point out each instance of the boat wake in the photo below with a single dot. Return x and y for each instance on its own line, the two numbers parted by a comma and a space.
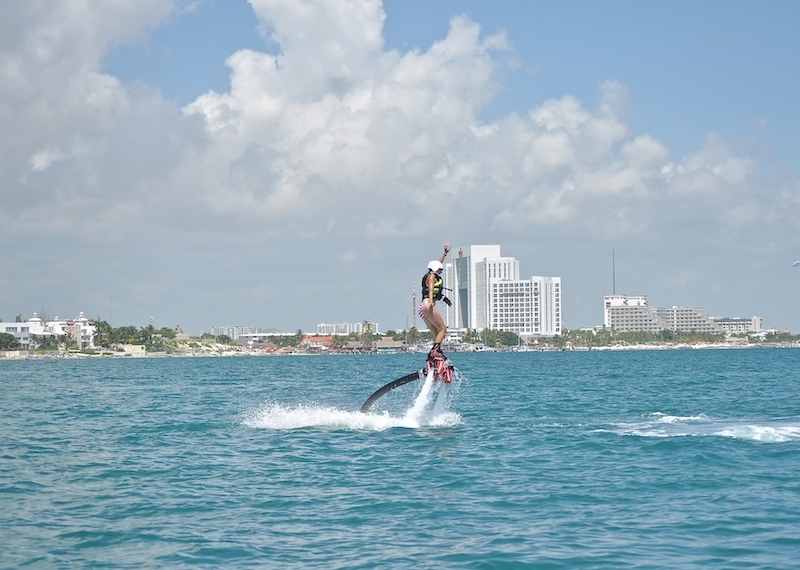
430, 408
665, 425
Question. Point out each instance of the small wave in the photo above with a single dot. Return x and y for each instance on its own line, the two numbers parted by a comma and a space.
668, 419
766, 434
659, 425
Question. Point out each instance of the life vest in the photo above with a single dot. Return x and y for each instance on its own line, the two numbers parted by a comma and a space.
438, 285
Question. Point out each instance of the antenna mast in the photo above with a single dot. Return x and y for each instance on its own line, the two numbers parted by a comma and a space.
613, 274
413, 304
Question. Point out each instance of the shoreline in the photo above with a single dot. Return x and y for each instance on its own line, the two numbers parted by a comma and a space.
220, 352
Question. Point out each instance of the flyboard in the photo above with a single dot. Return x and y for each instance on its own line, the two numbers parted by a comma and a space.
437, 364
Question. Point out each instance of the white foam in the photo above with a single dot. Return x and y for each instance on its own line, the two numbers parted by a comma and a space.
663, 425
277, 416
668, 419
766, 434
281, 417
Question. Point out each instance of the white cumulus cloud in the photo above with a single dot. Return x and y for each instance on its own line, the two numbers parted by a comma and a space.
327, 137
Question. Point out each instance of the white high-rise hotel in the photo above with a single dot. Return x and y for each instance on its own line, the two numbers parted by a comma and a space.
487, 292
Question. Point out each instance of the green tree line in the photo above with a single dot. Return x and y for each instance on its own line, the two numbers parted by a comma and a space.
610, 337
494, 339
153, 339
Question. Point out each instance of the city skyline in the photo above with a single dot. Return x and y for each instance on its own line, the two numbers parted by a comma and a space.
729, 323
488, 291
286, 163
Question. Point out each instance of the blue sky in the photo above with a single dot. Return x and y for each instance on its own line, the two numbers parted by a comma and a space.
216, 151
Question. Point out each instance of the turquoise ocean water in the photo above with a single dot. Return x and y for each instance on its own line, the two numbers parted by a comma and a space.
651, 459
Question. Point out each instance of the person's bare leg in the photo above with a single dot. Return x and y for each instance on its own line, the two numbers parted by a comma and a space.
434, 322
439, 326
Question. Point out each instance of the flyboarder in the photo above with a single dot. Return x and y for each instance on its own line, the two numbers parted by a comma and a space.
437, 366
432, 286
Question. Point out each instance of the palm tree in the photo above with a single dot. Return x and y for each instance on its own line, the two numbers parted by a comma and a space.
102, 334
8, 342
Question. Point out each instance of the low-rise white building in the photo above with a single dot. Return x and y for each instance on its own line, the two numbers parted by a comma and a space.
626, 313
611, 302
736, 325
345, 328
236, 331
31, 332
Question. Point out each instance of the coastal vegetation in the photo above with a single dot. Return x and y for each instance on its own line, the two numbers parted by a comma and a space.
41, 342
8, 342
603, 338
165, 339
486, 337
108, 339
151, 338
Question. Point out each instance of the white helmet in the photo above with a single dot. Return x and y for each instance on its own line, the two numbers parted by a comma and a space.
435, 266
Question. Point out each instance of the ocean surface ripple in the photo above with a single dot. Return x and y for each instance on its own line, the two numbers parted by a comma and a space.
646, 459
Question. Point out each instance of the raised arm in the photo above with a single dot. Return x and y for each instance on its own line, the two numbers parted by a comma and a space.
446, 250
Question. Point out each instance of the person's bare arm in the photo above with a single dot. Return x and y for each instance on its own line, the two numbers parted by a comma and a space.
446, 250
